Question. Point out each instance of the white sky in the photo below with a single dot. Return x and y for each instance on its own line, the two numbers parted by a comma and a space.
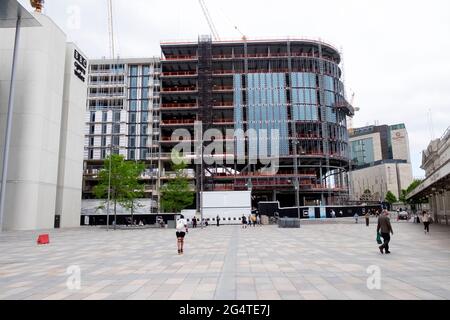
396, 52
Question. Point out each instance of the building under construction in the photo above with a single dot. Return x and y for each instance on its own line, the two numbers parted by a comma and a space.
291, 87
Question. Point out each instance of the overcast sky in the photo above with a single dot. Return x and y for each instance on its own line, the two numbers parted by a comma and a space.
396, 52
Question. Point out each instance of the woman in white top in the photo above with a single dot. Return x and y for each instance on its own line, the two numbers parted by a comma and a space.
182, 229
426, 219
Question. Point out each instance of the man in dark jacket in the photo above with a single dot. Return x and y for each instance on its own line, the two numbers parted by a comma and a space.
384, 226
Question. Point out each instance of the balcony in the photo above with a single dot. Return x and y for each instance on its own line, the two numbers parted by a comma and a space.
179, 106
177, 122
179, 74
222, 72
223, 121
222, 88
223, 105
180, 58
179, 90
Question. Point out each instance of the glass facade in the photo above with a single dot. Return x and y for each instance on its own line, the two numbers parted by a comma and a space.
362, 151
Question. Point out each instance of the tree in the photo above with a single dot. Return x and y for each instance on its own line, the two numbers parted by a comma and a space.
390, 198
402, 197
125, 187
176, 194
413, 185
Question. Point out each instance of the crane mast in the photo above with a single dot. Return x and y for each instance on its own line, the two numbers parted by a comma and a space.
211, 25
111, 29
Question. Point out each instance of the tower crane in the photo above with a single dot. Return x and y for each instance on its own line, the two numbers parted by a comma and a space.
211, 25
111, 29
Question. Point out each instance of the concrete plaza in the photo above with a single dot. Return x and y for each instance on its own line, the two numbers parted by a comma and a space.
318, 261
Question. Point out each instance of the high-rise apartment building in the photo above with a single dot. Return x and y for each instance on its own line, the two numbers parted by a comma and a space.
380, 161
122, 116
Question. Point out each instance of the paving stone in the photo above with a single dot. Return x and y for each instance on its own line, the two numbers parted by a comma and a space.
317, 261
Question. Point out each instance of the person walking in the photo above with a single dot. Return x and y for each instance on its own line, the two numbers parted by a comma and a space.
333, 214
249, 220
356, 216
367, 216
385, 228
181, 230
194, 222
258, 220
254, 220
218, 220
244, 222
426, 219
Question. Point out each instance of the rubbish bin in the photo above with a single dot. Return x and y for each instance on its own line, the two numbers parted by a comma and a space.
289, 223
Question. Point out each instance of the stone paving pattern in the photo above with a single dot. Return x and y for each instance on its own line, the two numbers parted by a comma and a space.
318, 261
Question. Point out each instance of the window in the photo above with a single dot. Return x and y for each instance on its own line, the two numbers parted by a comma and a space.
91, 141
116, 116
92, 130
133, 70
103, 155
116, 128
116, 140
132, 142
104, 129
103, 141
132, 117
91, 154
144, 93
144, 105
145, 81
146, 70
133, 93
131, 154
144, 116
133, 82
133, 105
132, 129
104, 116
144, 129
92, 116
144, 154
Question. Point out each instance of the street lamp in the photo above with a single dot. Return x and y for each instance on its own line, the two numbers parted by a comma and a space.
111, 147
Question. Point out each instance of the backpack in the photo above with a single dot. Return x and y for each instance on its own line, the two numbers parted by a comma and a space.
180, 224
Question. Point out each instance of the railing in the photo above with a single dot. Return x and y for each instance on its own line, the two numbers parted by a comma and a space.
179, 73
179, 89
223, 121
222, 88
179, 105
181, 57
223, 104
178, 121
219, 72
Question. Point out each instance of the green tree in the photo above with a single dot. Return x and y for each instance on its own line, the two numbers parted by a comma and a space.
176, 194
125, 187
390, 197
402, 197
413, 185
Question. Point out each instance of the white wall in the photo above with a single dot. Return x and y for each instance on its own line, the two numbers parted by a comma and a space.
34, 153
400, 144
70, 171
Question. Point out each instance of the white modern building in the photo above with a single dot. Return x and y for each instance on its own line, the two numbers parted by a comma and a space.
380, 161
43, 185
122, 117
